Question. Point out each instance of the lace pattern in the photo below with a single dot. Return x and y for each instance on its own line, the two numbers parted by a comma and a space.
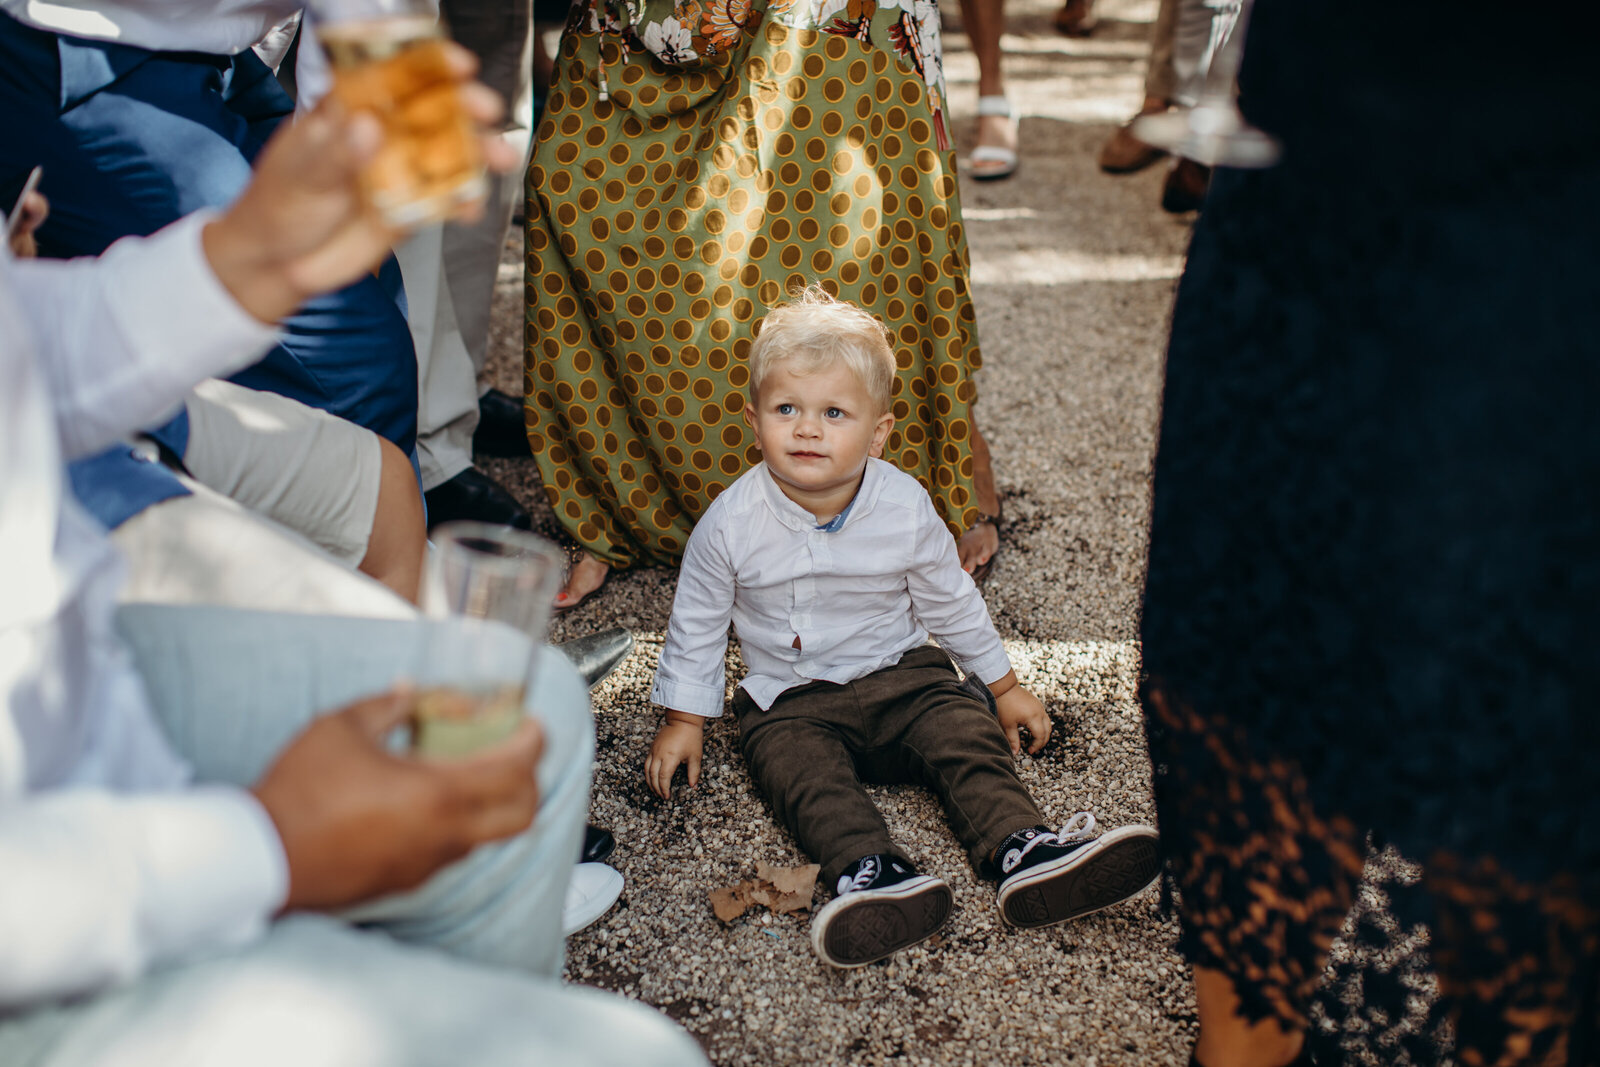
1264, 882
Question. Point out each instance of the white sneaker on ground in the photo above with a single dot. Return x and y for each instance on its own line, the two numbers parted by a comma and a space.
594, 888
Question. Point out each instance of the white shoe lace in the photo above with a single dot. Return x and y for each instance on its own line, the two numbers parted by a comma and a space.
1076, 831
863, 877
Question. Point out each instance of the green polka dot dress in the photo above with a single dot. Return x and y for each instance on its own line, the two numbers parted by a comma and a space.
697, 162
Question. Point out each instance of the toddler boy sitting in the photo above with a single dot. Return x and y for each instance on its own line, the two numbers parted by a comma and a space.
835, 569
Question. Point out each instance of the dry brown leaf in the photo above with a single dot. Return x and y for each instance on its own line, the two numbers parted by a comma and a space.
782, 890
790, 903
729, 903
790, 879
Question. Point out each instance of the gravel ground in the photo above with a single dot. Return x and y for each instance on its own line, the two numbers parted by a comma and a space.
1073, 278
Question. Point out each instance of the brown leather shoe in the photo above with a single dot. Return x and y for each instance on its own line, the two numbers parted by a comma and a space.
1076, 18
1124, 153
1185, 188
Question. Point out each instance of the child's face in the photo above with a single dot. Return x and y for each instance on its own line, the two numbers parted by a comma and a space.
816, 431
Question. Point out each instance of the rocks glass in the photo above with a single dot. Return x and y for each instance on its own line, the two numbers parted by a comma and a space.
388, 59
487, 592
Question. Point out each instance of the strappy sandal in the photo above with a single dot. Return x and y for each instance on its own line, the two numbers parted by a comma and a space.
981, 571
1000, 162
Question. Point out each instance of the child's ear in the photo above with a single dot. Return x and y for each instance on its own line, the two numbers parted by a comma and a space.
750, 421
880, 434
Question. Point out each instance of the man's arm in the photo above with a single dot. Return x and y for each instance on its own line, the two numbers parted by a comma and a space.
123, 337
99, 886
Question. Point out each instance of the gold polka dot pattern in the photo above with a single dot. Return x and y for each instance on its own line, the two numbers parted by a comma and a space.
664, 220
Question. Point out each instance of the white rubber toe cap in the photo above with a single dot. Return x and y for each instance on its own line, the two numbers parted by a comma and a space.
594, 888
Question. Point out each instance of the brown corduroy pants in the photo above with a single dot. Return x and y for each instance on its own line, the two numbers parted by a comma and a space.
912, 722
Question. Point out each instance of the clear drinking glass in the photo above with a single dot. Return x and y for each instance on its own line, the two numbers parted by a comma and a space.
1214, 131
495, 587
388, 58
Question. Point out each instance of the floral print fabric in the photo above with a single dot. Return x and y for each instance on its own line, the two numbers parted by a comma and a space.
698, 160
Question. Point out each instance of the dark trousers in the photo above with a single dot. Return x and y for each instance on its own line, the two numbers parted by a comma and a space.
132, 140
912, 722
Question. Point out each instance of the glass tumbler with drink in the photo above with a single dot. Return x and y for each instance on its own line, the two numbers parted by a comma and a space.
488, 592
388, 58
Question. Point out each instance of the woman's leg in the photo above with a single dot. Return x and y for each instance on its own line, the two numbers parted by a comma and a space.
979, 544
345, 488
984, 21
1228, 1039
1264, 880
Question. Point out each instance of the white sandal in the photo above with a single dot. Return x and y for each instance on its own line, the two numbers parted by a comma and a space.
1000, 162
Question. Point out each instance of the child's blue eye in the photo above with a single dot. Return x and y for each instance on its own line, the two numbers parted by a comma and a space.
785, 409
834, 413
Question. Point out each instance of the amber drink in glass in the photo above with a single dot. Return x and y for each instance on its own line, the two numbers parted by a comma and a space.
487, 594
388, 58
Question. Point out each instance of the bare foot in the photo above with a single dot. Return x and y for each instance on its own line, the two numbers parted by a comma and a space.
979, 544
586, 575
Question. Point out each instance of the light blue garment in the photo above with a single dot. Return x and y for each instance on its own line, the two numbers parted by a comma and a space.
231, 688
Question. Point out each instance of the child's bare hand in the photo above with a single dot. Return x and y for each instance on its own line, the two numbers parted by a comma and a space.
1019, 708
679, 740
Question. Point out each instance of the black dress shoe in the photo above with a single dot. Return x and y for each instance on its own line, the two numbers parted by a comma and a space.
1185, 187
501, 430
474, 495
598, 844
598, 654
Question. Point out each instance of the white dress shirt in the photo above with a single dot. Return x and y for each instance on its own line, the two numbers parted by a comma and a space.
109, 860
858, 597
219, 27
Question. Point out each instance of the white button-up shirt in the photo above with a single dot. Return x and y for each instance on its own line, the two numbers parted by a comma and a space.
220, 27
109, 860
858, 597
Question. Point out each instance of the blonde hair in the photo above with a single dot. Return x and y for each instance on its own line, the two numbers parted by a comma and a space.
815, 331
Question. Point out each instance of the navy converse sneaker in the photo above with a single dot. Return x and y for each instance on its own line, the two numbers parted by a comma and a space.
1052, 877
883, 906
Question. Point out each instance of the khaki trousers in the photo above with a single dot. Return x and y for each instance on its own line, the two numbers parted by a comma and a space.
450, 271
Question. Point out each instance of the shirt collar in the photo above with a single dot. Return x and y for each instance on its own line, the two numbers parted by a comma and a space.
798, 518
833, 524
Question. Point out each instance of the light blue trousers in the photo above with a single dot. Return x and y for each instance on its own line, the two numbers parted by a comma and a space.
464, 970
